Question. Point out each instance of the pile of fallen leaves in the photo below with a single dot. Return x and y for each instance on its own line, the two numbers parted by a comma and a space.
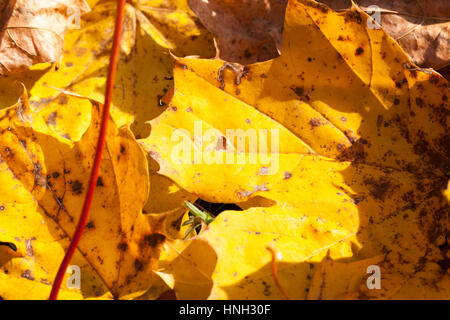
364, 149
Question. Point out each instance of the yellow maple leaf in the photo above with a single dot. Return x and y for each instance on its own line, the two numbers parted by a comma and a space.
353, 161
43, 183
144, 74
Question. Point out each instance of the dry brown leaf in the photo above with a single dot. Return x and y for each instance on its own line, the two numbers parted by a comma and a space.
32, 31
246, 31
420, 27
250, 31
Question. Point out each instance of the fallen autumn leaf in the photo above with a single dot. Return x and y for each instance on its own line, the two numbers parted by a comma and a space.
329, 147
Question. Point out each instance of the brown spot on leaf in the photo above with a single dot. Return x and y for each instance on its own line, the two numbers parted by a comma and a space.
8, 151
267, 291
379, 120
123, 246
355, 152
302, 93
138, 265
100, 182
52, 118
359, 51
399, 84
298, 90
356, 200
79, 51
154, 239
27, 275
444, 264
378, 189
314, 122
38, 178
63, 99
77, 187
355, 15
419, 102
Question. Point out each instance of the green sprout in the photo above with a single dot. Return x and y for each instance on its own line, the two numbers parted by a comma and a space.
196, 218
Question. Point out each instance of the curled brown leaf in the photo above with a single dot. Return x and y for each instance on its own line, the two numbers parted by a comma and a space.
420, 27
32, 31
250, 31
245, 31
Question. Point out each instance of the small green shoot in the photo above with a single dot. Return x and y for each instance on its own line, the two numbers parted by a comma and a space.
197, 217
